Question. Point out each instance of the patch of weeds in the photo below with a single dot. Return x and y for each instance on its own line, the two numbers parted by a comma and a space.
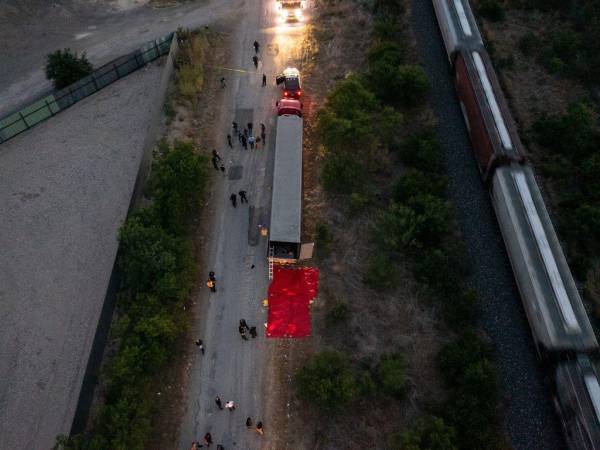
337, 315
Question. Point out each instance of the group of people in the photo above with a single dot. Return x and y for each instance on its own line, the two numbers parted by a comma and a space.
247, 139
244, 328
246, 136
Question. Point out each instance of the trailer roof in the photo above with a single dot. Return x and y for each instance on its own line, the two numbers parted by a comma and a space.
286, 207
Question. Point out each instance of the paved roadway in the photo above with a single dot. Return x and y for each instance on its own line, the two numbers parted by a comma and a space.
528, 417
232, 368
33, 28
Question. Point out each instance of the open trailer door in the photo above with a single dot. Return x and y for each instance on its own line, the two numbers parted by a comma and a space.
306, 251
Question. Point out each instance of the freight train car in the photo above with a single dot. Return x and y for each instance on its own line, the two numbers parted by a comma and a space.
558, 320
578, 401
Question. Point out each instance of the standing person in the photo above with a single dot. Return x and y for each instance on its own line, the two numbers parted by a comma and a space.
243, 324
256, 46
211, 276
242, 331
233, 199
259, 428
214, 161
222, 167
216, 155
264, 83
244, 143
230, 405
253, 332
248, 422
207, 439
212, 285
234, 125
223, 83
263, 134
219, 402
200, 345
255, 61
243, 198
251, 141
229, 141
250, 126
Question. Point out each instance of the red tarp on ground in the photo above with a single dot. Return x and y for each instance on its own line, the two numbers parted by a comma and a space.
289, 295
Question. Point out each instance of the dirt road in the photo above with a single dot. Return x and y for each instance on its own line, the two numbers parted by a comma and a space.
232, 368
33, 28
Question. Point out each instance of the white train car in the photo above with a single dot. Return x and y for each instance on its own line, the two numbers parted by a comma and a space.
553, 305
577, 398
458, 25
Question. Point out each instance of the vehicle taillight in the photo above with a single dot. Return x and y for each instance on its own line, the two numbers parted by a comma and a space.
286, 93
299, 93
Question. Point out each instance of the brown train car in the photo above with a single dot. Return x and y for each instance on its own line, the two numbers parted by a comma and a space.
493, 133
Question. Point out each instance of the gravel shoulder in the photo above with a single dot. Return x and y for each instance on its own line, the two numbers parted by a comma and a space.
65, 188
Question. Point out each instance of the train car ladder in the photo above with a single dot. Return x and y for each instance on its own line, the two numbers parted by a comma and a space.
271, 253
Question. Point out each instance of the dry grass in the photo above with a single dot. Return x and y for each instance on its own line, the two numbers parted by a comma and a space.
193, 54
398, 321
529, 88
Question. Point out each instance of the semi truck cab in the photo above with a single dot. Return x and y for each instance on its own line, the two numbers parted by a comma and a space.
291, 10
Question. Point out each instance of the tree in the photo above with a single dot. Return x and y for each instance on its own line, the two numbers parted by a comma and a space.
327, 381
391, 374
64, 67
429, 433
397, 227
177, 182
147, 254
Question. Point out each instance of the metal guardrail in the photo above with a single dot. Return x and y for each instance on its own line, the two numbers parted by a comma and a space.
50, 105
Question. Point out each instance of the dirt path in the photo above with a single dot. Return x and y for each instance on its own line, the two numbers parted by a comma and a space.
232, 368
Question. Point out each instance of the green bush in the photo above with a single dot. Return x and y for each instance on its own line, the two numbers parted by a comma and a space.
529, 43
323, 239
389, 7
382, 272
434, 217
422, 151
327, 381
492, 10
397, 228
387, 29
439, 268
414, 182
148, 255
366, 384
177, 183
387, 52
429, 433
337, 314
404, 85
472, 381
64, 67
391, 373
573, 134
343, 175
459, 309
